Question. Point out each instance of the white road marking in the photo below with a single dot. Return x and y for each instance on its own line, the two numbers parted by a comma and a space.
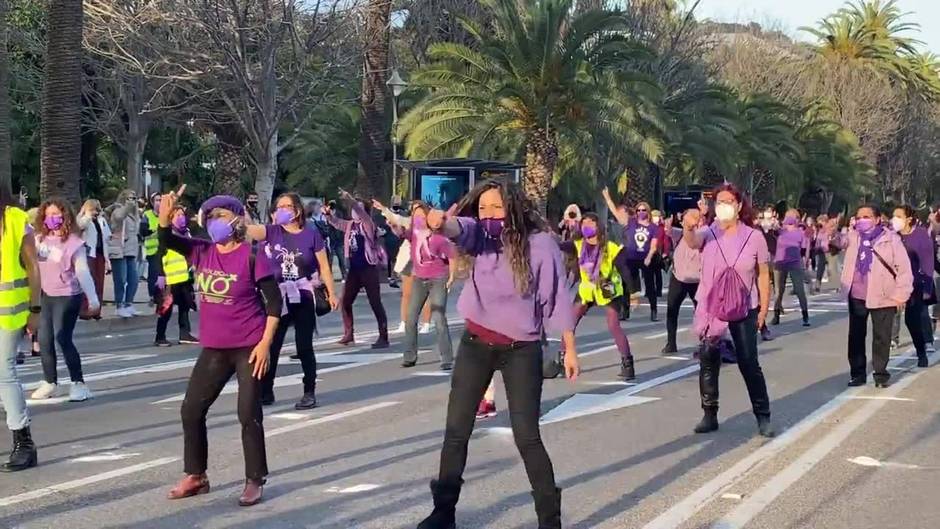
431, 374
79, 483
610, 383
879, 397
289, 416
104, 456
685, 509
772, 488
664, 334
730, 496
365, 487
866, 461
329, 418
678, 357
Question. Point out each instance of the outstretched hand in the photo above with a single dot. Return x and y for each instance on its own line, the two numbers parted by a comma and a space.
168, 203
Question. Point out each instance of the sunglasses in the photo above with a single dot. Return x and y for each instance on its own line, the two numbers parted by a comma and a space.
642, 210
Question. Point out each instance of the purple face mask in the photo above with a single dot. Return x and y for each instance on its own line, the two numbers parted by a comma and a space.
642, 215
419, 223
588, 231
790, 221
864, 225
220, 230
493, 228
54, 222
283, 216
179, 223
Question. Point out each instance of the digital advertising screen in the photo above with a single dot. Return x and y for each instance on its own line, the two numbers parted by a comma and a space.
442, 188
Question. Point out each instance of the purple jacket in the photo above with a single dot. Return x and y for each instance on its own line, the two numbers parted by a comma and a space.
883, 289
375, 252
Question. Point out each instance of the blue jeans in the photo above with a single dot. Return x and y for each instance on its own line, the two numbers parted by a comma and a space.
124, 272
11, 392
59, 314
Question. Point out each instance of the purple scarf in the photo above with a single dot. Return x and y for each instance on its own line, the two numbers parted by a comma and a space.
866, 248
589, 260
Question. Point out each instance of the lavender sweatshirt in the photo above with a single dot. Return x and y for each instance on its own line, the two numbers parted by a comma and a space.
920, 250
490, 298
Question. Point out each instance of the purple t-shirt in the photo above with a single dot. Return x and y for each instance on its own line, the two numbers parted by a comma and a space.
430, 256
752, 254
231, 313
637, 239
789, 243
293, 255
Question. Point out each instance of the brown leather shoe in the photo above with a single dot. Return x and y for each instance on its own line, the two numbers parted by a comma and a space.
191, 485
252, 493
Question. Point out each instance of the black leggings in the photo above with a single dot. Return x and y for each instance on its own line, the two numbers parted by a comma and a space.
521, 366
182, 297
356, 280
678, 290
637, 269
212, 371
303, 316
744, 335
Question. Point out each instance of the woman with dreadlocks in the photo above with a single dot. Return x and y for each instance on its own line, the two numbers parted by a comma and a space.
600, 284
516, 286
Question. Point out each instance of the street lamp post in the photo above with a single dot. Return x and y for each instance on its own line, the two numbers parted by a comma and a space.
398, 85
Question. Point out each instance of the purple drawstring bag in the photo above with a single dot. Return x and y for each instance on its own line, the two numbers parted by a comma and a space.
729, 298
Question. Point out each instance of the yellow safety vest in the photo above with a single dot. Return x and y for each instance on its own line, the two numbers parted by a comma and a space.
591, 293
150, 242
175, 268
14, 285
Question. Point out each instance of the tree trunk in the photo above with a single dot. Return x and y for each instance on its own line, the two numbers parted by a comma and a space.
266, 176
541, 155
229, 164
62, 102
5, 146
371, 179
138, 129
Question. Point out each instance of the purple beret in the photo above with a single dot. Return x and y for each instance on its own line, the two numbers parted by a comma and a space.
220, 201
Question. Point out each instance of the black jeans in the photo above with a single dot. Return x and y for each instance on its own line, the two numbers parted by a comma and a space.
59, 314
914, 319
656, 266
212, 371
678, 290
182, 297
153, 272
363, 278
521, 366
303, 316
744, 335
881, 322
638, 269
797, 277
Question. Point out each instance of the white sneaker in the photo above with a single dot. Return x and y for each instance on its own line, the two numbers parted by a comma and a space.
401, 328
79, 392
45, 391
122, 312
133, 311
425, 328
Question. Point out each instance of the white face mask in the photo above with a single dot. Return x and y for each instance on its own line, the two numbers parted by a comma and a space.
726, 212
898, 224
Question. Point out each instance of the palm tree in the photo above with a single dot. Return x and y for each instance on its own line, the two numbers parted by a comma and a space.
373, 138
5, 146
539, 76
62, 102
768, 145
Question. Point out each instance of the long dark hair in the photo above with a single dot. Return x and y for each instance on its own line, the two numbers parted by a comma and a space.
746, 215
521, 221
601, 237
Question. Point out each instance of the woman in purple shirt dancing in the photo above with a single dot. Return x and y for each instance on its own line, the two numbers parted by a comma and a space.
920, 251
788, 261
516, 286
236, 326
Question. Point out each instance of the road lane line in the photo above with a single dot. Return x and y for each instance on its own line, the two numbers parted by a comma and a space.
664, 334
79, 483
329, 418
755, 503
682, 511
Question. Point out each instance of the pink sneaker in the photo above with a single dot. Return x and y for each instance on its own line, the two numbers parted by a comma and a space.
486, 410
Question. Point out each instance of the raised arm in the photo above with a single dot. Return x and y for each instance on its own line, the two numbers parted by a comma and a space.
622, 218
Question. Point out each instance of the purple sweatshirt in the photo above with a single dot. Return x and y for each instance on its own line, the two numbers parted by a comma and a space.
490, 298
920, 250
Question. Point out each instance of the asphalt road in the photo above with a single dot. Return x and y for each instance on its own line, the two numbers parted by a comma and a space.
625, 454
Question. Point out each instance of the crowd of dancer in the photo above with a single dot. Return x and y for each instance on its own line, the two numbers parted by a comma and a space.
522, 282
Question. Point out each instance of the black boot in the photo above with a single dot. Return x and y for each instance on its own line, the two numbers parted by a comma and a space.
626, 369
654, 315
548, 509
23, 455
764, 427
445, 505
307, 402
709, 422
776, 320
805, 318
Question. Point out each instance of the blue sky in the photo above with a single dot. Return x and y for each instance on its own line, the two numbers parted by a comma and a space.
788, 15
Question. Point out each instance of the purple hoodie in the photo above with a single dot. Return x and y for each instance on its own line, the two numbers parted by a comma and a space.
375, 253
490, 298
